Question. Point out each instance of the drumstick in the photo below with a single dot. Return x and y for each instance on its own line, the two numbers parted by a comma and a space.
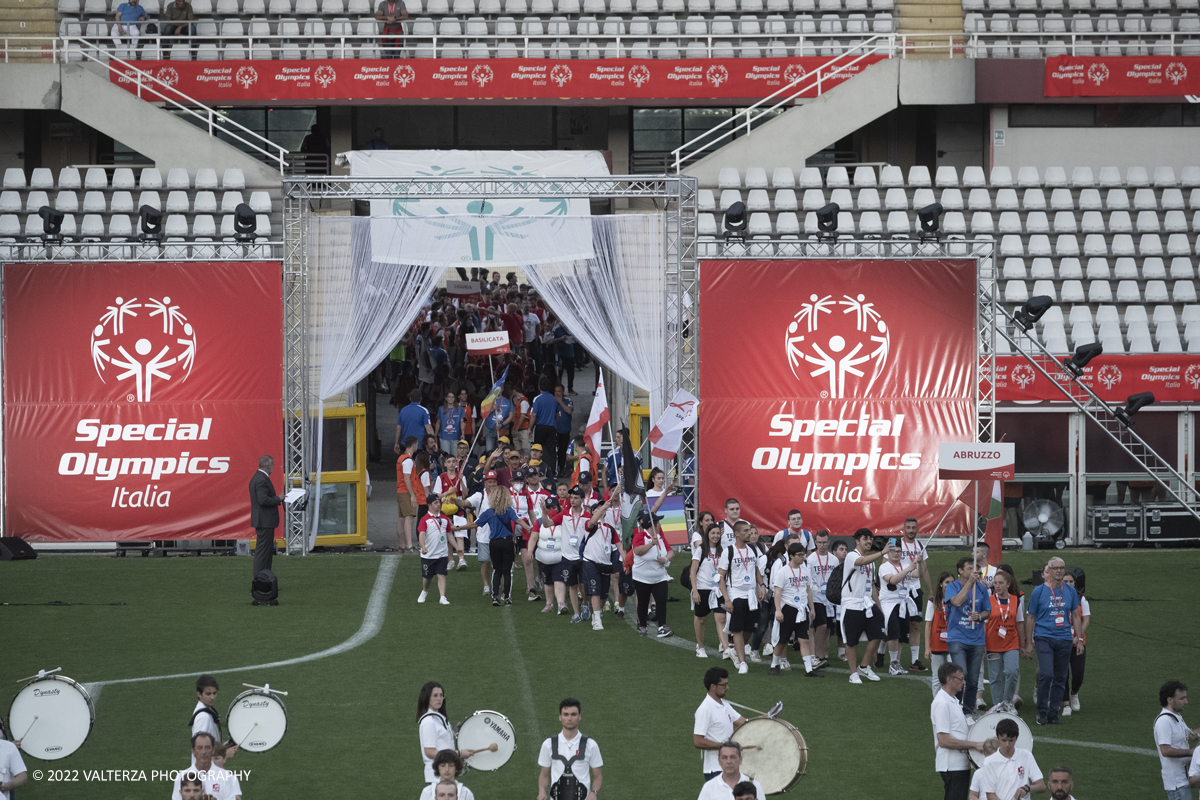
266, 688
27, 730
41, 674
774, 712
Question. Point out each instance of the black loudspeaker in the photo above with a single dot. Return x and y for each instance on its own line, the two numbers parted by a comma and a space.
265, 589
14, 548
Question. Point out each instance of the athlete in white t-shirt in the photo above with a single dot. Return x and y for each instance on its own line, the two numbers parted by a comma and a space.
912, 550
791, 583
733, 511
796, 525
860, 600
820, 564
897, 601
742, 570
706, 592
528, 500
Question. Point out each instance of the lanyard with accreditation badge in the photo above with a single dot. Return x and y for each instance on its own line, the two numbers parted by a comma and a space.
796, 582
1056, 606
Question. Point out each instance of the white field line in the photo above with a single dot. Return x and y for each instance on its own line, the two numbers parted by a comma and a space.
523, 684
372, 622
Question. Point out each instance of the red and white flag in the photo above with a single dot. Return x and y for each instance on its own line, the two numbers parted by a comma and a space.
679, 415
598, 417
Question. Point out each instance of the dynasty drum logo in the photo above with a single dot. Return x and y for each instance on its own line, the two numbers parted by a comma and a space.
839, 343
140, 347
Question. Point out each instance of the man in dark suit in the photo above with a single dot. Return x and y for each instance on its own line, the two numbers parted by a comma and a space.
264, 513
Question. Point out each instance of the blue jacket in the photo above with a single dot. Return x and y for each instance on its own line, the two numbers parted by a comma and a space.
497, 529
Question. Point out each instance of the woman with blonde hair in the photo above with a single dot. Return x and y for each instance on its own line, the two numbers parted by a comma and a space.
501, 521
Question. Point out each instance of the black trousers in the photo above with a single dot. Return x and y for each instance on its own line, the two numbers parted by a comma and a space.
264, 549
503, 553
1078, 662
568, 368
547, 437
644, 591
560, 460
957, 783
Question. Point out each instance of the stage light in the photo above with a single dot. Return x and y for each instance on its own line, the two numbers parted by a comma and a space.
827, 221
51, 224
1033, 310
245, 223
1133, 404
150, 219
931, 221
735, 221
1083, 354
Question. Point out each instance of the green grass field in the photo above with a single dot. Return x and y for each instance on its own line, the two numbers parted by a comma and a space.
351, 717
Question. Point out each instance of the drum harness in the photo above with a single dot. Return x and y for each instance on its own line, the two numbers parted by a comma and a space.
206, 710
568, 787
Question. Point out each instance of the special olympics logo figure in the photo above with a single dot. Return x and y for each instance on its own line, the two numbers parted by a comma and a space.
793, 73
168, 75
1098, 73
1109, 375
175, 343
1176, 72
639, 74
404, 74
482, 75
717, 74
845, 344
560, 74
246, 76
1191, 376
325, 75
1022, 375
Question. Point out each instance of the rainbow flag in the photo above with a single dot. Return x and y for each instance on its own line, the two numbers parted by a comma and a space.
489, 402
674, 523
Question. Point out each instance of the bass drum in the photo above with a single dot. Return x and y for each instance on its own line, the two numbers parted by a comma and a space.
482, 730
257, 720
52, 716
773, 753
984, 728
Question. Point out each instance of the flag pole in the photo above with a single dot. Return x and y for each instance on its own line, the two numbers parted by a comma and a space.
974, 547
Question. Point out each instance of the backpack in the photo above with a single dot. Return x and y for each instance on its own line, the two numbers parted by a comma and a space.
833, 589
568, 787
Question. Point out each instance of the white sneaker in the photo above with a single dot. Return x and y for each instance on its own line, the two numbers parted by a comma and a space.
727, 654
755, 657
895, 668
785, 665
421, 597
1074, 702
487, 591
596, 624
462, 564
743, 668
701, 653
854, 678
1066, 711
980, 705
443, 601
868, 673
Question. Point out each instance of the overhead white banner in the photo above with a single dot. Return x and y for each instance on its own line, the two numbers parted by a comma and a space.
481, 249
458, 239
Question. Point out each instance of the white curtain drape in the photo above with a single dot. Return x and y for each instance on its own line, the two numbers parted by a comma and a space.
612, 302
371, 276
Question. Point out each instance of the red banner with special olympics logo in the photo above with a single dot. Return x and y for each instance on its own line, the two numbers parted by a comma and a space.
1123, 76
503, 78
138, 398
1174, 378
827, 386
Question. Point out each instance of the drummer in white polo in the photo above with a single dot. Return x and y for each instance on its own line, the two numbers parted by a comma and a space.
950, 742
570, 750
12, 769
715, 720
434, 728
721, 787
